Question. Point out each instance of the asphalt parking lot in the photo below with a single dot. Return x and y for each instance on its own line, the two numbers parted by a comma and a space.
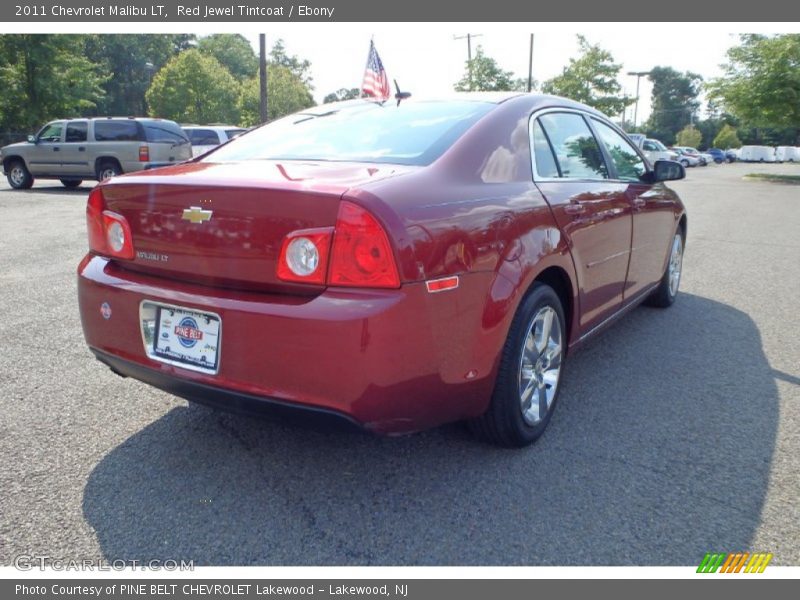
677, 433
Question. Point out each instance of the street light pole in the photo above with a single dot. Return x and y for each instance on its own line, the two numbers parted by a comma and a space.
638, 75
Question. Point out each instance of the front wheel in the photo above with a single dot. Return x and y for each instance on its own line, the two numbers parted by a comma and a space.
19, 177
685, 164
530, 369
666, 292
71, 183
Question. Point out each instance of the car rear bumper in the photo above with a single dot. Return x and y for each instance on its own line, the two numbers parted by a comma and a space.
391, 361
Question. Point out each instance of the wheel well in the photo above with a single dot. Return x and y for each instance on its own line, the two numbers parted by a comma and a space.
558, 279
9, 159
105, 159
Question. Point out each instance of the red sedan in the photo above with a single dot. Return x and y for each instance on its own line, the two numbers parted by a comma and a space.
391, 265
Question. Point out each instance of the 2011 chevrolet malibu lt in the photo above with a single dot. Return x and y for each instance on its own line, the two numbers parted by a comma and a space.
397, 265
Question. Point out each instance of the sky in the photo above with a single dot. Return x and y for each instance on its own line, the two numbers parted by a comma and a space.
425, 58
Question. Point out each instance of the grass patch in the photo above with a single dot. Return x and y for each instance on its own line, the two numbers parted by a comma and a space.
774, 178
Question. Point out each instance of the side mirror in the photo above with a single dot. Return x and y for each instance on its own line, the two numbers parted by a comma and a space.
668, 170
31, 139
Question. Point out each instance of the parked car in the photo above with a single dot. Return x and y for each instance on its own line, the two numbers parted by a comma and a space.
731, 155
73, 150
717, 155
694, 152
685, 158
654, 150
787, 154
208, 137
757, 154
390, 265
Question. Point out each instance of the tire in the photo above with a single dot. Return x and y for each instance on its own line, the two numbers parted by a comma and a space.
107, 170
71, 183
666, 292
685, 164
527, 372
18, 176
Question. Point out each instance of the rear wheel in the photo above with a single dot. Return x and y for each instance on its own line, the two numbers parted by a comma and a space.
108, 169
71, 183
528, 379
18, 176
664, 295
685, 163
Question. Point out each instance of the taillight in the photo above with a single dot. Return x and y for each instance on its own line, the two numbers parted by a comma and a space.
144, 153
358, 247
361, 255
304, 256
109, 232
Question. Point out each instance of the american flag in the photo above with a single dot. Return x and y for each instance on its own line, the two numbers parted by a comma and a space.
376, 83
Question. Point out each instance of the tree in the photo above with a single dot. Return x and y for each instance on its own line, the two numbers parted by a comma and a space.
342, 94
592, 79
287, 94
299, 68
761, 81
44, 77
674, 102
233, 51
483, 74
727, 138
689, 136
194, 87
131, 61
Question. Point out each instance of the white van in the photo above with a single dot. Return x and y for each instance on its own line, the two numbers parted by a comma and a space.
787, 154
757, 154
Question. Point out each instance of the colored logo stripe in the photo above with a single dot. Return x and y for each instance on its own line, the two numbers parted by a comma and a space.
734, 562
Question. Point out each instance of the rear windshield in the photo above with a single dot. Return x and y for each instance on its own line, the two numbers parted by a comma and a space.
166, 132
410, 134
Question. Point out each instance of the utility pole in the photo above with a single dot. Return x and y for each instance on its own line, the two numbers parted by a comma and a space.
468, 37
638, 75
530, 67
262, 75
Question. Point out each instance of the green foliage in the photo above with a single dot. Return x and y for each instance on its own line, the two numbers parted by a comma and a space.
131, 61
342, 94
233, 51
761, 81
44, 77
727, 138
674, 102
689, 136
592, 79
299, 68
194, 87
287, 94
483, 74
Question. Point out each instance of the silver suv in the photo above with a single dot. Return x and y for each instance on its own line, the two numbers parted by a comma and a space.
76, 149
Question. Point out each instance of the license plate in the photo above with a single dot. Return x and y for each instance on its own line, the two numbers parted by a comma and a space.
184, 337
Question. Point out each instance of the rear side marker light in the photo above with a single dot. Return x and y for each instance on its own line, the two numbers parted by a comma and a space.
442, 285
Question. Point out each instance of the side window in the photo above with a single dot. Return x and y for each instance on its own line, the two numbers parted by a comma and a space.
543, 154
629, 165
116, 131
76, 131
577, 153
650, 146
51, 132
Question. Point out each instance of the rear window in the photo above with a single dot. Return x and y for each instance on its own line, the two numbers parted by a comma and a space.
116, 131
164, 132
202, 137
413, 133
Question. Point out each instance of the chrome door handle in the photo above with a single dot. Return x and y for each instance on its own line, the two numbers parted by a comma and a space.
639, 202
574, 208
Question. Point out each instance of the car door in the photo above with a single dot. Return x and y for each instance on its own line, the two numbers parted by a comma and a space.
652, 210
45, 156
74, 157
591, 210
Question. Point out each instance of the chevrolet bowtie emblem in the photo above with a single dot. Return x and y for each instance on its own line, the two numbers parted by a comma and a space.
195, 214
